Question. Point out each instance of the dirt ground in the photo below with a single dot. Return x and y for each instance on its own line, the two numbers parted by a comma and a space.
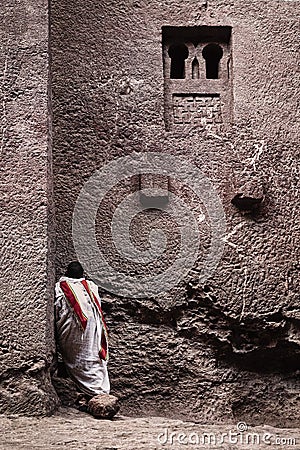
71, 429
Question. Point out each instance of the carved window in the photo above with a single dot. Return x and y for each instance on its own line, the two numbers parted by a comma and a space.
197, 76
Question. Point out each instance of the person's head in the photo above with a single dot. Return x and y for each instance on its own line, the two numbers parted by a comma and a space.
74, 270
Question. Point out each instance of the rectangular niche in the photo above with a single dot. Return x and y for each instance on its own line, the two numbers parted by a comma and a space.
197, 77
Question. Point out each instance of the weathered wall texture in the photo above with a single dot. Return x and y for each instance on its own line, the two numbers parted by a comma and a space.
27, 275
228, 349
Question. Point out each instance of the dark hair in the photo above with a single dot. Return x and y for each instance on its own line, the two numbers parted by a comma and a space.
74, 270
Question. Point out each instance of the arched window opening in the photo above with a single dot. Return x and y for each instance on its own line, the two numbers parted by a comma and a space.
212, 54
178, 55
195, 69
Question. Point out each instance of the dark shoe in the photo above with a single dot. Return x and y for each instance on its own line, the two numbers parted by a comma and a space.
83, 408
81, 402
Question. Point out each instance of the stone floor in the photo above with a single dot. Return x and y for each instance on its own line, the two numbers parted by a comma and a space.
71, 429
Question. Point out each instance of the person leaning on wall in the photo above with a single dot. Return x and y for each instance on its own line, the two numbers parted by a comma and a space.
82, 340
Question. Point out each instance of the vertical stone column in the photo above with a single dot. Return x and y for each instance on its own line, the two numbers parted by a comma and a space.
27, 274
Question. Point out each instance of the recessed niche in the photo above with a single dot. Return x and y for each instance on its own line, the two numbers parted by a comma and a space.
197, 76
178, 55
212, 53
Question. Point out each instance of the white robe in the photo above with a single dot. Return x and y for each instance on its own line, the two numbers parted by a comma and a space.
80, 348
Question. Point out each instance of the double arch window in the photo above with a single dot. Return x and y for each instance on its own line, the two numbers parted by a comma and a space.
211, 53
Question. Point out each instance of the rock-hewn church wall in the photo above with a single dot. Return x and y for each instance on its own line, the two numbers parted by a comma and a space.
132, 77
27, 271
226, 348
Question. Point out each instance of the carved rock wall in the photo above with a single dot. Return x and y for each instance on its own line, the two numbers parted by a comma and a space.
227, 349
27, 234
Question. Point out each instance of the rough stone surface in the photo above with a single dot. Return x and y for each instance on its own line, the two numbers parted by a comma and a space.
70, 429
27, 271
249, 196
228, 349
103, 406
221, 351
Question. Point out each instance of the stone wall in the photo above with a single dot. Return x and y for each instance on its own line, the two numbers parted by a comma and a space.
27, 271
226, 349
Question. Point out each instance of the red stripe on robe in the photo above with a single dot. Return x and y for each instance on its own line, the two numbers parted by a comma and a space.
103, 352
70, 296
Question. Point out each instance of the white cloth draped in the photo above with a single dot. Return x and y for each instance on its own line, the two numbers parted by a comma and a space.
80, 349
